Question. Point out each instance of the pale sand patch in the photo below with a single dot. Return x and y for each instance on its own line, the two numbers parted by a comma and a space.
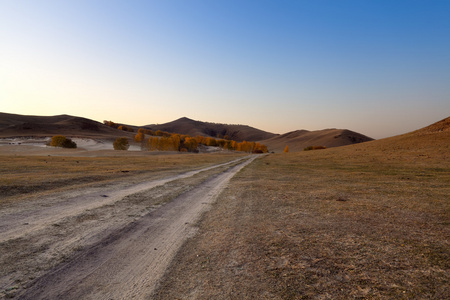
92, 145
38, 146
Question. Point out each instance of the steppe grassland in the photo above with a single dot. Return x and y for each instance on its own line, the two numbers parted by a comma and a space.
363, 221
22, 175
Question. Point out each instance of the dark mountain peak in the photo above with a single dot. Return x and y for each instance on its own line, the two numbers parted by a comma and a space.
191, 127
185, 119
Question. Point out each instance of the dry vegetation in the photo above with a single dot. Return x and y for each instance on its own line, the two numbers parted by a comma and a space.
369, 221
300, 139
12, 125
22, 175
193, 128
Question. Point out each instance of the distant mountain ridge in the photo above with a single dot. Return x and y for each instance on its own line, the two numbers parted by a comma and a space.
13, 125
217, 130
296, 140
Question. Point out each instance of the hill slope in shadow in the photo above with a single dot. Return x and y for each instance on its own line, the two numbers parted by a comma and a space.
300, 139
12, 125
216, 130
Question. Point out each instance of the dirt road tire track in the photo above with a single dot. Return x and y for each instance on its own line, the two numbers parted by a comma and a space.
39, 214
128, 263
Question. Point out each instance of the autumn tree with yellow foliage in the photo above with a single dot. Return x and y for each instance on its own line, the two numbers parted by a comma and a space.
190, 144
165, 141
139, 137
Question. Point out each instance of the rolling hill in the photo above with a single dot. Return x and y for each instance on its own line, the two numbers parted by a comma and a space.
193, 128
426, 144
300, 139
429, 146
296, 140
12, 125
441, 126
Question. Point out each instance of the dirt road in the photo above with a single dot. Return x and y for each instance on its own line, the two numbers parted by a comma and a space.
41, 212
112, 243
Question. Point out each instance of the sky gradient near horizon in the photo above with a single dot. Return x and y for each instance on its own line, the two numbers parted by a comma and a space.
380, 68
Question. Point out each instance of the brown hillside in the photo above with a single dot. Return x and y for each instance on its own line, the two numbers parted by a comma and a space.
443, 125
194, 128
300, 139
12, 125
428, 146
347, 221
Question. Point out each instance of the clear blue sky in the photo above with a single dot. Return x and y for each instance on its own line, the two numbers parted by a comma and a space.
377, 67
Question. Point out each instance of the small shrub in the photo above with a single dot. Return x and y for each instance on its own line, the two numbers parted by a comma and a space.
111, 124
68, 143
125, 128
314, 148
121, 144
62, 141
57, 140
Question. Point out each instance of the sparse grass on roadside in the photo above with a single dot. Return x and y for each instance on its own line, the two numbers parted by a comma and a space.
366, 222
22, 175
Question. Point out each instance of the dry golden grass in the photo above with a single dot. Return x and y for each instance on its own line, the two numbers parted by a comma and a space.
369, 221
301, 139
22, 175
